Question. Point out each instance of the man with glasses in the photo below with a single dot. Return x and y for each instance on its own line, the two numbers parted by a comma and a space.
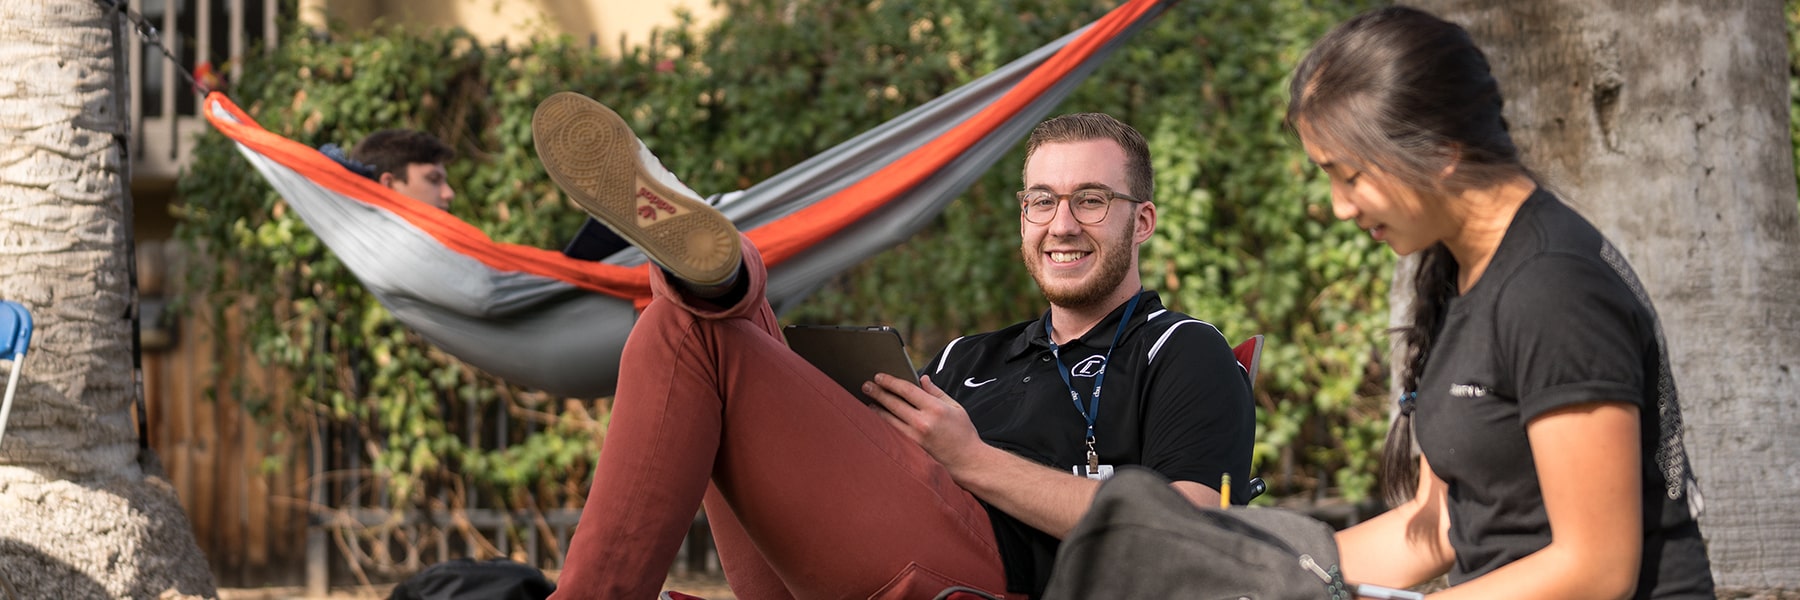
967, 478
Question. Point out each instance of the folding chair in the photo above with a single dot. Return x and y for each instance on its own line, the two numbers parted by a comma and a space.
1249, 354
15, 335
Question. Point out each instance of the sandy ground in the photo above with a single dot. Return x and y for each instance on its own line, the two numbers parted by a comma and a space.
710, 587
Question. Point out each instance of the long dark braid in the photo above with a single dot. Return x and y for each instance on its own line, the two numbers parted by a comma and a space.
1434, 284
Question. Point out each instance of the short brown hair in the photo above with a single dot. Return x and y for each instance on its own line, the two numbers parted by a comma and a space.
1081, 127
390, 150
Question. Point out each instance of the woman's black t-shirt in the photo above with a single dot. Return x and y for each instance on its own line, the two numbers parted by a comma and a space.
1557, 319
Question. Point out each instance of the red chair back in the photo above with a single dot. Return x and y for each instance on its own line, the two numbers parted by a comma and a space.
1248, 354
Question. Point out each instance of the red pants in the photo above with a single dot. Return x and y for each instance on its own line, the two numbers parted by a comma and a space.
809, 493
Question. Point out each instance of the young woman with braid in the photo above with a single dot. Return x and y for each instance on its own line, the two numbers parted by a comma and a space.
1538, 385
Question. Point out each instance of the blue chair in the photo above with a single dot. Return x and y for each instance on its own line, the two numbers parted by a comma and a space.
15, 336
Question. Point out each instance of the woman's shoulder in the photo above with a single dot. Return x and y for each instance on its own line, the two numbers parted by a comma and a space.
1549, 242
1572, 289
1547, 224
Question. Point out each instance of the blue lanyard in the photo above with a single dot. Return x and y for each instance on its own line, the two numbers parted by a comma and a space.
1091, 412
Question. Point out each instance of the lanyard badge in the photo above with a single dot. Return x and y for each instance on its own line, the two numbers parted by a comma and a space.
1091, 412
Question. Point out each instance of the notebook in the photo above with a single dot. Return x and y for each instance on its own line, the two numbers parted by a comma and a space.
851, 355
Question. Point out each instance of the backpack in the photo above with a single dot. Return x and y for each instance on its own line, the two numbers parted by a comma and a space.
1143, 539
466, 579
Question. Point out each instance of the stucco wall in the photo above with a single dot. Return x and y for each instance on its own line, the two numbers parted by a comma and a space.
514, 20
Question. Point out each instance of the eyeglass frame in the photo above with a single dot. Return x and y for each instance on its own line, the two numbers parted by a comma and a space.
1111, 195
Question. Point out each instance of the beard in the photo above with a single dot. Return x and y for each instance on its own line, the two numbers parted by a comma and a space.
1114, 267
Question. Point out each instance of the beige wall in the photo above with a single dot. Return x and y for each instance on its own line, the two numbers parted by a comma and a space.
515, 20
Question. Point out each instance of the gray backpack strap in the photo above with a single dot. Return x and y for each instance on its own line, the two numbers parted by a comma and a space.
1142, 539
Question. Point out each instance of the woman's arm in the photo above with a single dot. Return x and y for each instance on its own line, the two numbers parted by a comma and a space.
1405, 546
1587, 458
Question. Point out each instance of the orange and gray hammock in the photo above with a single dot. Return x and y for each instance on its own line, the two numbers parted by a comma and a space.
538, 318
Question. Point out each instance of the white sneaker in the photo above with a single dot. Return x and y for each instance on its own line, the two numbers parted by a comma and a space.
593, 155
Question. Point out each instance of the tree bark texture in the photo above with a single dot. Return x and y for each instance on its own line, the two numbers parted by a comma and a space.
79, 518
1666, 124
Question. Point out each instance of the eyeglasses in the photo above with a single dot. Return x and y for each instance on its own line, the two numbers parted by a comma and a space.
1088, 204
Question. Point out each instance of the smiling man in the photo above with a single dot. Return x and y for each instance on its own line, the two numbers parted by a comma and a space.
968, 478
1174, 399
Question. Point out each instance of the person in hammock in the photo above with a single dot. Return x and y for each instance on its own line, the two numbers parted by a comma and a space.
967, 478
407, 161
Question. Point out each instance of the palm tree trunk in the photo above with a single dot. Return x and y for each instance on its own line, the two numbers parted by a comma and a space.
1666, 124
79, 517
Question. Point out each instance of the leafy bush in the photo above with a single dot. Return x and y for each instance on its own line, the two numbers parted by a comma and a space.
1244, 242
1793, 29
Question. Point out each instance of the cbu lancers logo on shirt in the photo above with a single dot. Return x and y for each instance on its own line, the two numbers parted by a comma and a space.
1467, 390
1091, 367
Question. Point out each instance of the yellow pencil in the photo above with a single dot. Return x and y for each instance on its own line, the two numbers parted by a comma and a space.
1225, 491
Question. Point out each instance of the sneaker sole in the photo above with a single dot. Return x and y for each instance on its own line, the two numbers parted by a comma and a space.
591, 153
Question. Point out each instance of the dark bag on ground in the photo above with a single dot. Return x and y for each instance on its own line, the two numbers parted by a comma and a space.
466, 579
1143, 539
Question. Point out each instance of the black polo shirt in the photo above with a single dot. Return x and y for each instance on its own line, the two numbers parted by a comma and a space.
1557, 319
1174, 399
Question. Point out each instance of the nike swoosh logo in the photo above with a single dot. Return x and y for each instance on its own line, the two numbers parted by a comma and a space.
970, 382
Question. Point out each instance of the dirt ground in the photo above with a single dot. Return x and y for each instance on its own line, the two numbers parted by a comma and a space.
710, 587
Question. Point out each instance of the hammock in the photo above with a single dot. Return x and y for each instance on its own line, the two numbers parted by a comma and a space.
537, 318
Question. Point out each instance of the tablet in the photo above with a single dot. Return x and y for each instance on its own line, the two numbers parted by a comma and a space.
851, 355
